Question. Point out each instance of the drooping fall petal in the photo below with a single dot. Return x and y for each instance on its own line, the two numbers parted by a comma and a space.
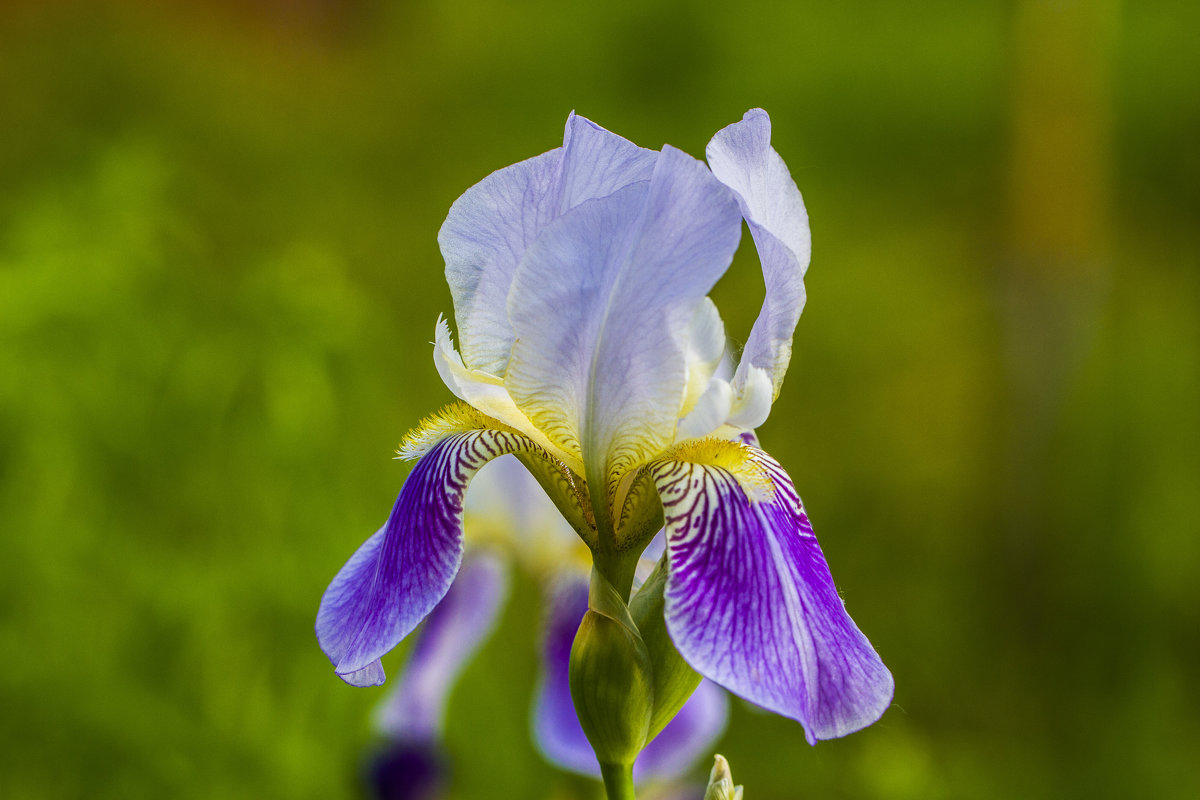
397, 577
750, 602
452, 633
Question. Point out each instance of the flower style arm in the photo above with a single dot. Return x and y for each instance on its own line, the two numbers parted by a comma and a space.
750, 602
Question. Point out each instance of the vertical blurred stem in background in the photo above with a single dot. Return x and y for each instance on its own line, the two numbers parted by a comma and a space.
1057, 257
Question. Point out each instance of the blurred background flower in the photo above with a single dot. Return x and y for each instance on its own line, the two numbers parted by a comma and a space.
218, 277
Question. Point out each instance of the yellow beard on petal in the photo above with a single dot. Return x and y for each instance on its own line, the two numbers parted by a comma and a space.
454, 418
736, 459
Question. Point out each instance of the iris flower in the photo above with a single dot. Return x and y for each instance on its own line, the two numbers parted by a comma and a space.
589, 349
509, 521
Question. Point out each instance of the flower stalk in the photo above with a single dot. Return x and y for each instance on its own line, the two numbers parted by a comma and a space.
618, 781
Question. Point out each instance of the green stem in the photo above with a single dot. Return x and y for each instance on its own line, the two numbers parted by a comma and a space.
618, 781
617, 567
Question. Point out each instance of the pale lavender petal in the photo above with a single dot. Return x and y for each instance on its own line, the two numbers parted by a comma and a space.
556, 729
601, 306
482, 239
750, 602
657, 546
741, 156
596, 163
490, 226
687, 738
396, 578
446, 641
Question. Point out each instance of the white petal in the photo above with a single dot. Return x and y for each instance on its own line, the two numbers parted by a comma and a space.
705, 349
710, 412
741, 156
482, 239
491, 225
601, 307
487, 393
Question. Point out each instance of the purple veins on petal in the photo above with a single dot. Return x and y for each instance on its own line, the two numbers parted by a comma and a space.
397, 577
750, 602
446, 641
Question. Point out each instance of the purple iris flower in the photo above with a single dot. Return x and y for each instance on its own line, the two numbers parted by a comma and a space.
590, 350
509, 519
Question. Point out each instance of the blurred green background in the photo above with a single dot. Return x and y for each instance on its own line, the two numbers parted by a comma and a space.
219, 279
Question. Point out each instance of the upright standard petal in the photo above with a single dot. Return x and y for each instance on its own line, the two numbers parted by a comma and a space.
397, 577
453, 631
750, 602
490, 226
601, 307
742, 158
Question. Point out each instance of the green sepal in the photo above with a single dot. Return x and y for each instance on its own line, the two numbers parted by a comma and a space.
674, 680
611, 677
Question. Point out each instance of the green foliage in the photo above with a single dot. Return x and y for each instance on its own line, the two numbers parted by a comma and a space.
219, 277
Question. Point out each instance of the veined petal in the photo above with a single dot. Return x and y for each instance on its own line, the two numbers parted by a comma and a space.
596, 163
486, 393
556, 728
750, 602
490, 226
415, 709
601, 306
742, 158
482, 239
397, 577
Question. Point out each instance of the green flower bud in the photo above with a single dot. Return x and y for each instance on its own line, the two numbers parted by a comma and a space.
674, 680
611, 677
720, 782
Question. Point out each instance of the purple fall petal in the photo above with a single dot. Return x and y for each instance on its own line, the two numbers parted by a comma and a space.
450, 635
396, 578
751, 605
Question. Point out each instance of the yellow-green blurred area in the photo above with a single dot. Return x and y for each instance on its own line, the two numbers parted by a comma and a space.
219, 278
